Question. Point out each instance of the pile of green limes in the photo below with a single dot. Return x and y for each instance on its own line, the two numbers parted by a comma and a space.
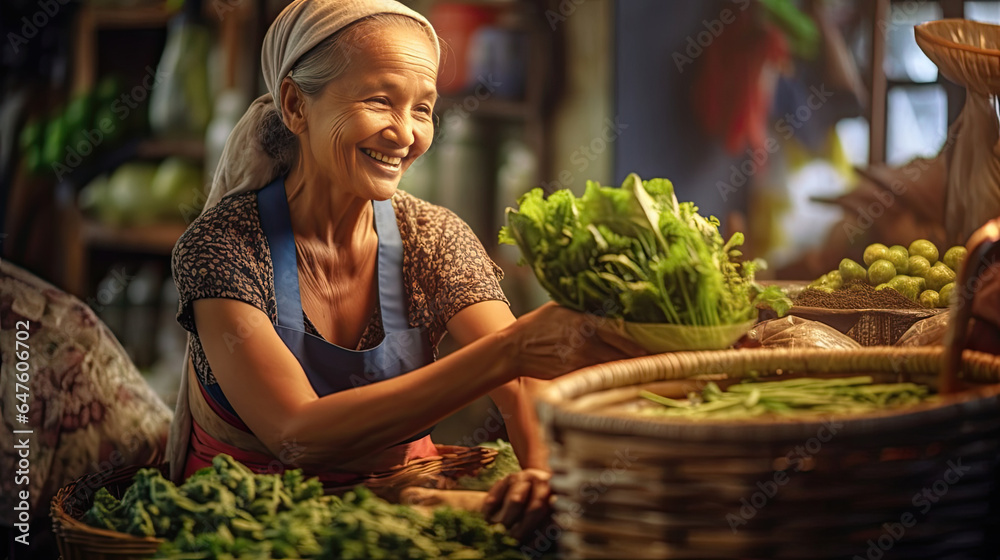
915, 272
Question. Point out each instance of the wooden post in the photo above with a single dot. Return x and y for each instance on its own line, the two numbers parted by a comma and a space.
881, 20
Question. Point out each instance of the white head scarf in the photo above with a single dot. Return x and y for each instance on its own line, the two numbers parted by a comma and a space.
245, 165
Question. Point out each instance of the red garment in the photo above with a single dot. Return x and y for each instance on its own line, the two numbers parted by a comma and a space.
203, 448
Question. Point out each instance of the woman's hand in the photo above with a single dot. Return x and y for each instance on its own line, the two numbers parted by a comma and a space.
553, 340
520, 501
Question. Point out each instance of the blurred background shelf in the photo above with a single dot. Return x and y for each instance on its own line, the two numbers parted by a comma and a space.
158, 148
153, 238
136, 17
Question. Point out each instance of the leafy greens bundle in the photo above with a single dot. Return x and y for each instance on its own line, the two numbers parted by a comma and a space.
636, 252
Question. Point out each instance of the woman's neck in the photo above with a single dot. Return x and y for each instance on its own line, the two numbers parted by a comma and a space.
321, 212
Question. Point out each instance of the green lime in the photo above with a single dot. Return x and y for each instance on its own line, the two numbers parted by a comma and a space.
899, 258
938, 276
874, 252
929, 299
945, 294
880, 272
925, 249
918, 265
954, 257
821, 281
906, 286
834, 280
851, 271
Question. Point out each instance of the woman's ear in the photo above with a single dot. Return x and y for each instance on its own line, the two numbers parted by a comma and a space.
293, 106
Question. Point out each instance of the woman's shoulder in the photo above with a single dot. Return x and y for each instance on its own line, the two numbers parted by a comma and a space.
234, 220
423, 214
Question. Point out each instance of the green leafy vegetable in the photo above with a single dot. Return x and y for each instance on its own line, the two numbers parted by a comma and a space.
226, 512
636, 252
504, 464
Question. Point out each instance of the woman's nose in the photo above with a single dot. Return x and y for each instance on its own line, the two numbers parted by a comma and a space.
400, 131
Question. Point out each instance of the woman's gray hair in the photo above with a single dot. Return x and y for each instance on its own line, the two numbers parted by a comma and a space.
317, 68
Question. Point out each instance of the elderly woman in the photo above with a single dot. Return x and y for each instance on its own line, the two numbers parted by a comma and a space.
316, 293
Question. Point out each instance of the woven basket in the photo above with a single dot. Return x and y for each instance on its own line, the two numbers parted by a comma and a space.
966, 52
634, 486
79, 541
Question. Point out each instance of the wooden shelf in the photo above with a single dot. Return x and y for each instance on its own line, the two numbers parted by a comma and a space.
156, 148
488, 108
154, 238
130, 18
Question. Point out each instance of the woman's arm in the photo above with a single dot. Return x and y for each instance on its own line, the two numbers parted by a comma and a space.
513, 399
269, 390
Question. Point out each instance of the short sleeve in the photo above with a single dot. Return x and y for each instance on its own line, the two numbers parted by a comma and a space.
221, 255
461, 272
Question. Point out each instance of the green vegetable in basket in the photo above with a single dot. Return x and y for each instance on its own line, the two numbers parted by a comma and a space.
636, 252
801, 396
504, 464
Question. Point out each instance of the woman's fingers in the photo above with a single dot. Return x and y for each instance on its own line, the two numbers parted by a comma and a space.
536, 512
495, 498
513, 504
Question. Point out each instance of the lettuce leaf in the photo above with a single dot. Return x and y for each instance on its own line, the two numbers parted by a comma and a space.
636, 253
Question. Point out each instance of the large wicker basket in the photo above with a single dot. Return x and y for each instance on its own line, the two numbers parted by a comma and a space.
638, 486
79, 541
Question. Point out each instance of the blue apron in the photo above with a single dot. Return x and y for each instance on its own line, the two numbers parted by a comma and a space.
331, 368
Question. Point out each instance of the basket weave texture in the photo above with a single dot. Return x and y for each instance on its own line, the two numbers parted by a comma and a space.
640, 486
966, 52
79, 541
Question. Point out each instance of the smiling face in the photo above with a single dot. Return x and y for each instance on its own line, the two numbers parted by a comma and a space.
369, 124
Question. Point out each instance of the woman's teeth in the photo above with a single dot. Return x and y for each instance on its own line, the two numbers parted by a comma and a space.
393, 161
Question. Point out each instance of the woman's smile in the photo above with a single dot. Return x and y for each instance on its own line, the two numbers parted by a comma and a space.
382, 160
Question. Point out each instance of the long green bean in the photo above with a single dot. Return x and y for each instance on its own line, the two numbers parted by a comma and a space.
800, 396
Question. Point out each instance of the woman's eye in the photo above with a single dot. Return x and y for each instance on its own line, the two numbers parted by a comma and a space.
423, 109
379, 101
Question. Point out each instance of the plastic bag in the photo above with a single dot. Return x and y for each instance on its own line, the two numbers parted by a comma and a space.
795, 332
926, 332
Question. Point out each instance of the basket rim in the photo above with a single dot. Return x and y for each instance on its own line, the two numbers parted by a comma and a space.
553, 402
925, 31
67, 528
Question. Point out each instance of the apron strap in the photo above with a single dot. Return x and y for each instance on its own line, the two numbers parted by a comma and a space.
391, 289
275, 219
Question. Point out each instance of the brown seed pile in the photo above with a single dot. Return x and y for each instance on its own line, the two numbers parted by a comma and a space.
857, 295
